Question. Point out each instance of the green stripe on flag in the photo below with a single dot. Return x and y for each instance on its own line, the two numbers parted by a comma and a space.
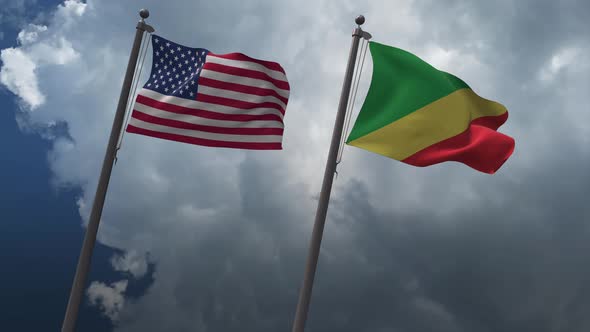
398, 88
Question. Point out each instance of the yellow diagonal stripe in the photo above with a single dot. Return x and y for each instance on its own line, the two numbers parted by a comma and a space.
444, 118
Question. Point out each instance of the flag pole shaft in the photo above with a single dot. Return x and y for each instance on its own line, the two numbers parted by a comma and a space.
322, 209
83, 267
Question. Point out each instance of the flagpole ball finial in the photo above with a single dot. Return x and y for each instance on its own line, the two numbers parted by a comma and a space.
360, 20
144, 13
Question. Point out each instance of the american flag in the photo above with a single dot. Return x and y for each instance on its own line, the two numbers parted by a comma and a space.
221, 100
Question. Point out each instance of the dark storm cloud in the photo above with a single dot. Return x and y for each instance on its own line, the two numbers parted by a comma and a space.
517, 265
515, 38
512, 265
510, 260
524, 32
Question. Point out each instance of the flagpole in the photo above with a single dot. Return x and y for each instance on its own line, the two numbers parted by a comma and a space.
322, 209
77, 291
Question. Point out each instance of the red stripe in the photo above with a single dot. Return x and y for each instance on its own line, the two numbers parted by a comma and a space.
479, 147
241, 88
244, 105
492, 122
210, 129
205, 142
243, 57
245, 73
204, 113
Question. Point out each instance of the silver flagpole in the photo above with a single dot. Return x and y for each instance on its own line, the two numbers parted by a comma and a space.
77, 291
322, 210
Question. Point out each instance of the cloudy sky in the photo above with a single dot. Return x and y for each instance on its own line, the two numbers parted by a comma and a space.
202, 239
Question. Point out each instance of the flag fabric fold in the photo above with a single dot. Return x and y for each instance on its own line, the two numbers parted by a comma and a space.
422, 116
219, 100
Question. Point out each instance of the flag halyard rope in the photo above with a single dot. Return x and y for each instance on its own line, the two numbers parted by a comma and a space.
138, 69
352, 99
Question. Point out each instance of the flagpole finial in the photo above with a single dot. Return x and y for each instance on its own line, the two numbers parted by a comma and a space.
144, 13
359, 20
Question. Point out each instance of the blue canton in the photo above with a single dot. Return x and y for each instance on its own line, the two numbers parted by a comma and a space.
175, 68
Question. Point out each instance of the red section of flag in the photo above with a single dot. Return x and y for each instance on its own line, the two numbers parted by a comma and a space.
241, 88
242, 57
210, 129
205, 142
243, 116
243, 105
245, 73
480, 147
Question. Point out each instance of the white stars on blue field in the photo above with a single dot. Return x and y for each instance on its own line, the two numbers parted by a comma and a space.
175, 69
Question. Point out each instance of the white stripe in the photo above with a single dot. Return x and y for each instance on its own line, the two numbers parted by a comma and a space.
240, 96
277, 75
204, 121
244, 81
205, 135
207, 106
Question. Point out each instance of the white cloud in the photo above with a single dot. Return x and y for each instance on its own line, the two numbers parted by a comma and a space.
132, 262
30, 34
39, 48
559, 61
18, 75
71, 8
109, 299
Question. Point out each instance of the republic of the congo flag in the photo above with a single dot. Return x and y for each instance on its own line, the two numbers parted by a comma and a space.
423, 116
